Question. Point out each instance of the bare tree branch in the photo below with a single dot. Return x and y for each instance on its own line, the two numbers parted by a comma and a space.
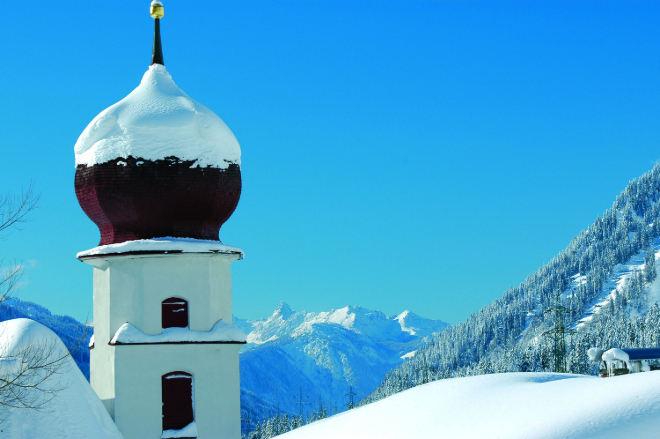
9, 280
14, 210
30, 375
33, 375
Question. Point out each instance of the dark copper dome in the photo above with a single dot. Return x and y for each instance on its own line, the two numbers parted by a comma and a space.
145, 199
157, 164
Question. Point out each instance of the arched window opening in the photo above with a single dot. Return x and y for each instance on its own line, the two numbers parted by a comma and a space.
178, 401
175, 313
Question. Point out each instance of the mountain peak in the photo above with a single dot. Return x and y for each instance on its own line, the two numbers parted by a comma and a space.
283, 310
403, 315
416, 325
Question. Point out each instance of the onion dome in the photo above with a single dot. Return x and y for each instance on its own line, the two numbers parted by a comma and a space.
157, 163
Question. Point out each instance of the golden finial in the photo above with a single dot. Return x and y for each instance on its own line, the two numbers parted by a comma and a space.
157, 11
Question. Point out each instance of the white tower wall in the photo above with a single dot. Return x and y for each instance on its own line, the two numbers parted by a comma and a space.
216, 383
130, 288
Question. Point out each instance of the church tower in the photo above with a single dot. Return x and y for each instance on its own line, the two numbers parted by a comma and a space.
159, 173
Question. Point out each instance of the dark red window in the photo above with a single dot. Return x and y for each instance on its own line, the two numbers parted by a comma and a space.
175, 313
177, 400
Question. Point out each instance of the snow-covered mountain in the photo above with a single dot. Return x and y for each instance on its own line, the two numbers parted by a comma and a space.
284, 322
324, 354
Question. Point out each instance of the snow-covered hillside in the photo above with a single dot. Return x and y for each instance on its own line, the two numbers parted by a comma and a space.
75, 412
507, 406
323, 353
616, 284
606, 280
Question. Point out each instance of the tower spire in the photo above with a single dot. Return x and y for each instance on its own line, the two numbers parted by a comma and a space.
157, 11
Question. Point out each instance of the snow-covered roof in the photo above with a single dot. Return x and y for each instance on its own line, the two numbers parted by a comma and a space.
220, 333
595, 354
155, 121
615, 354
627, 354
75, 412
162, 245
642, 353
509, 405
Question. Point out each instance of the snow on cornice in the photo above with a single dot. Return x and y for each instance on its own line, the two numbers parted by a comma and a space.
221, 333
161, 245
188, 431
155, 121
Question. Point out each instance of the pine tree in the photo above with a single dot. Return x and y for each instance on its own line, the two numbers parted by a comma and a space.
294, 422
649, 264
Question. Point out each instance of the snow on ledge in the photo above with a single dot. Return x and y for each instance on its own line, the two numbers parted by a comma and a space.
221, 333
162, 245
189, 430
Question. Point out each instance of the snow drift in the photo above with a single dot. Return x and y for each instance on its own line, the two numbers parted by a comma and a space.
75, 412
507, 406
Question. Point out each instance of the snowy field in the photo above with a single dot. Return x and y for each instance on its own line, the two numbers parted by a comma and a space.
507, 406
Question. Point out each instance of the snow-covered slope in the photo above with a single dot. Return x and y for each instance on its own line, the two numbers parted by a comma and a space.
324, 353
69, 330
615, 285
511, 406
75, 412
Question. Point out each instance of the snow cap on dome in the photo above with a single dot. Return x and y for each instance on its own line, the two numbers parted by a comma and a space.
155, 121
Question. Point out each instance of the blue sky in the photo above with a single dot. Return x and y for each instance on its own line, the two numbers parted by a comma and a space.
396, 154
